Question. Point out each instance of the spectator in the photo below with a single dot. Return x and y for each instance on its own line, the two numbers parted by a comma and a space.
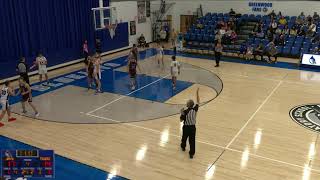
142, 41
293, 31
22, 69
302, 30
233, 37
280, 40
258, 51
316, 17
232, 13
315, 51
312, 28
280, 14
286, 30
271, 51
85, 51
163, 35
282, 20
316, 38
272, 14
249, 53
273, 26
300, 19
243, 50
260, 33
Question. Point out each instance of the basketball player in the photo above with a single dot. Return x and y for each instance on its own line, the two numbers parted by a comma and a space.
161, 55
90, 71
6, 91
41, 62
97, 71
132, 69
25, 91
175, 71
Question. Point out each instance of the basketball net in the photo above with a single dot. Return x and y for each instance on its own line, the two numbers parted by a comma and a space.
112, 29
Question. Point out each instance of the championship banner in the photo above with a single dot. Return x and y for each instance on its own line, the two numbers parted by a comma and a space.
142, 11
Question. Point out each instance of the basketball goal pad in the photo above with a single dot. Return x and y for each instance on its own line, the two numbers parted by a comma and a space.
105, 18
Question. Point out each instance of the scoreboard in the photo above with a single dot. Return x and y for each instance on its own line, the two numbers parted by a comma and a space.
25, 163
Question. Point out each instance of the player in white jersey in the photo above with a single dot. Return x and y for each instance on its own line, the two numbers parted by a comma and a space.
6, 91
160, 55
97, 71
175, 71
41, 62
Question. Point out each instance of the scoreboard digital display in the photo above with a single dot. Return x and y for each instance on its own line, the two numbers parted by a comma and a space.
27, 163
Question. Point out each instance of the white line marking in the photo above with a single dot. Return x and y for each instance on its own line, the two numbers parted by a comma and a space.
123, 96
204, 142
252, 116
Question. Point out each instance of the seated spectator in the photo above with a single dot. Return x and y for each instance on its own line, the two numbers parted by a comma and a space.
312, 28
316, 38
142, 41
280, 40
282, 20
232, 13
300, 19
316, 17
258, 51
199, 26
233, 37
293, 31
278, 31
315, 51
270, 35
271, 51
272, 14
249, 53
302, 30
286, 30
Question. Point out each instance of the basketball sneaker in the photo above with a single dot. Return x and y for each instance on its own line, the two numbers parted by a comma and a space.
12, 119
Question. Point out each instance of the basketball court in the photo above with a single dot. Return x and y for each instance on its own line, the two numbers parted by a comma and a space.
256, 120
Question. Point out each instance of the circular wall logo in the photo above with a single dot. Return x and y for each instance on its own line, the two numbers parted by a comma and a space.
307, 116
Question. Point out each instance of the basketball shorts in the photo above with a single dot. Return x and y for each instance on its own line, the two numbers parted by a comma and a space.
174, 73
97, 75
133, 74
43, 71
4, 105
26, 98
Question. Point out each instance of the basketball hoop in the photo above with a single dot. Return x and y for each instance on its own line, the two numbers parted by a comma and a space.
112, 28
105, 18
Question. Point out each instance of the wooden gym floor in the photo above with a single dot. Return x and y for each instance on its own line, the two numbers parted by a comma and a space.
245, 133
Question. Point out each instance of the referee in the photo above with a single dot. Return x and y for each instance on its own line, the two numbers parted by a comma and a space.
188, 116
22, 69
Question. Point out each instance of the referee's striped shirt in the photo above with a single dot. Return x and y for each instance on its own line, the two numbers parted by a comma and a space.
191, 116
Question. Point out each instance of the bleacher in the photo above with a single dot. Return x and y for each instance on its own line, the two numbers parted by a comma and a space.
201, 40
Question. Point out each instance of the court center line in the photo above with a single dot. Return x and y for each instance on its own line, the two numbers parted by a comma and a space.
123, 96
207, 143
254, 114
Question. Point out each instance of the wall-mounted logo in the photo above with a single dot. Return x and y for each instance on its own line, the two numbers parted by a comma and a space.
307, 116
260, 6
312, 60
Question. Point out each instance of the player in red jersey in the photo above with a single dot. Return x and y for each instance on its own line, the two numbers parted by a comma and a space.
132, 68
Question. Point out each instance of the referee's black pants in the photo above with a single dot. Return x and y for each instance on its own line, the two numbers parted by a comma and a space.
189, 132
25, 77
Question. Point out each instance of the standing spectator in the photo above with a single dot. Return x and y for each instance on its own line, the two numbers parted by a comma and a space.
188, 117
279, 14
218, 52
273, 26
316, 17
85, 51
232, 13
272, 14
22, 69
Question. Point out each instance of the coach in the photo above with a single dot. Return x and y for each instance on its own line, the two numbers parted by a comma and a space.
22, 69
188, 116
